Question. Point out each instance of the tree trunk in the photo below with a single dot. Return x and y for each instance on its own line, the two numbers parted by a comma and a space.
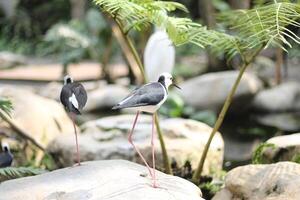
239, 4
127, 53
78, 9
105, 59
207, 13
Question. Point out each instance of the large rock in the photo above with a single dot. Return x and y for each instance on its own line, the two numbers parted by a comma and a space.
287, 148
105, 97
209, 91
281, 98
264, 68
289, 121
114, 180
280, 181
42, 118
106, 138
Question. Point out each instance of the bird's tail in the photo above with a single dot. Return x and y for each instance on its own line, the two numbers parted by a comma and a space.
116, 107
76, 111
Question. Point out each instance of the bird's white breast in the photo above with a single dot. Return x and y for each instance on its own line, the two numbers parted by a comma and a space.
73, 100
154, 108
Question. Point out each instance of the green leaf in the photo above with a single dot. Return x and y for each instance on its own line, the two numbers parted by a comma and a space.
296, 158
6, 106
8, 173
264, 25
257, 157
205, 116
251, 30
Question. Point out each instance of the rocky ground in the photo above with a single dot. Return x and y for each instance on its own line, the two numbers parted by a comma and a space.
110, 179
278, 181
106, 138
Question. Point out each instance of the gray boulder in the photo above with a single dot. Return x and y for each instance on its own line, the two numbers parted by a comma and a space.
105, 97
287, 148
288, 121
282, 98
280, 181
209, 91
106, 138
114, 180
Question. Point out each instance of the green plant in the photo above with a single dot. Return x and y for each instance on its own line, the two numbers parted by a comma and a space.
296, 158
8, 173
206, 116
5, 110
211, 185
173, 107
210, 189
6, 106
252, 31
78, 39
257, 157
129, 15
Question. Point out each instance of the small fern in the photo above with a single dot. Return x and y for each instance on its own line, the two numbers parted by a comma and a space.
8, 173
6, 106
257, 157
296, 158
252, 29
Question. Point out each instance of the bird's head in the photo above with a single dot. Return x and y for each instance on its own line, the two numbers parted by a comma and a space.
5, 147
68, 79
167, 79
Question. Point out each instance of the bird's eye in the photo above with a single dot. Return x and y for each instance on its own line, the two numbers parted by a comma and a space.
171, 78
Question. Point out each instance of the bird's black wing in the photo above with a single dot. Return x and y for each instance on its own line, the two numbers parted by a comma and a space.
5, 160
64, 97
149, 94
80, 94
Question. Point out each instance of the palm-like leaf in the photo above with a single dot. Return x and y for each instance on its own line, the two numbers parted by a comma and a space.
8, 173
265, 25
6, 105
252, 29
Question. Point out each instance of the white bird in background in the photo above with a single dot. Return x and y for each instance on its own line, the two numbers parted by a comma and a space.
159, 55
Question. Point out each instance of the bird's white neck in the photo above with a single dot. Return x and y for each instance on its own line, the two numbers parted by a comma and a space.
167, 82
68, 79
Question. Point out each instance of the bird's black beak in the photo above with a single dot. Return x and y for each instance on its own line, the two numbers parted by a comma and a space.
176, 86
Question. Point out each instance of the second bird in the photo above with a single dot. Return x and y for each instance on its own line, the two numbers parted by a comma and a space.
73, 96
147, 98
6, 156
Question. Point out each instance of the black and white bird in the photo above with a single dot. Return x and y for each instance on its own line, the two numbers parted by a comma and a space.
6, 157
74, 97
147, 98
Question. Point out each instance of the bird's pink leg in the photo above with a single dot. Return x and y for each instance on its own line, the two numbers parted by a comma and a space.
153, 151
77, 147
131, 142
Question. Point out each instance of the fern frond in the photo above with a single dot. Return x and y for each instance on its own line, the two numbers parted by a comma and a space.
139, 13
67, 34
257, 157
265, 25
8, 173
252, 29
6, 106
134, 13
